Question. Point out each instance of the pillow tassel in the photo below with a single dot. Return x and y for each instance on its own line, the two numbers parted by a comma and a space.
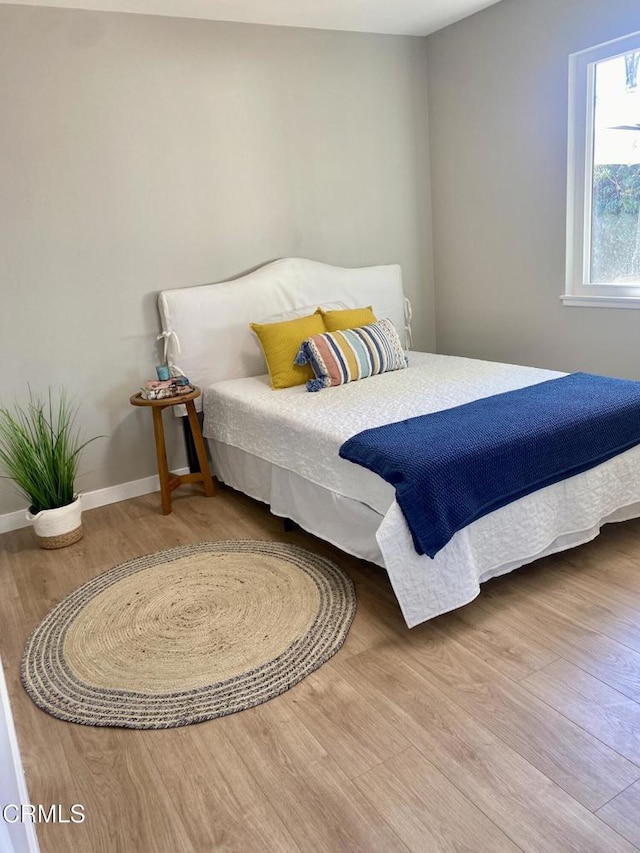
302, 357
318, 384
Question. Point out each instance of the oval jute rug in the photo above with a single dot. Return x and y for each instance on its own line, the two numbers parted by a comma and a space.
188, 634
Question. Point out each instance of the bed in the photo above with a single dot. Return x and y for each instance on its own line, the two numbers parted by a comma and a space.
282, 447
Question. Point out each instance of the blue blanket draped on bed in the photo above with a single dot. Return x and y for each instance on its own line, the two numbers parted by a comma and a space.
454, 466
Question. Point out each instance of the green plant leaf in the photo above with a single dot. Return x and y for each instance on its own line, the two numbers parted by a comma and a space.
40, 449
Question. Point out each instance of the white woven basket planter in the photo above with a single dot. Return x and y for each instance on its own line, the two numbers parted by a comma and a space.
57, 528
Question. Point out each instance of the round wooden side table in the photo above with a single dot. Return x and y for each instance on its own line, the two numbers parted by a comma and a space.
169, 481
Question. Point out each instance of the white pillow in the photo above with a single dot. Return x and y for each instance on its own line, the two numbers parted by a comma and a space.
294, 313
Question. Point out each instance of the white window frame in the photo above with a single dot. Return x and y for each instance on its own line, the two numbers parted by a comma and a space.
579, 182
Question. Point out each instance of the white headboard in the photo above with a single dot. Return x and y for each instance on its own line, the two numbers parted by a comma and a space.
207, 326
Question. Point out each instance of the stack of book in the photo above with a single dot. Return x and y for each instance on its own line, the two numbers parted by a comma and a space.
161, 389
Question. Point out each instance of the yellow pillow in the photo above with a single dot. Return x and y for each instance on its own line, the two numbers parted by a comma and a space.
349, 318
280, 344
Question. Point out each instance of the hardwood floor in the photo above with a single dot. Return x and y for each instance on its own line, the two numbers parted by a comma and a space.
511, 724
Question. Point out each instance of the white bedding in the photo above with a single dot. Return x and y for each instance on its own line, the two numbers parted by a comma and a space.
302, 432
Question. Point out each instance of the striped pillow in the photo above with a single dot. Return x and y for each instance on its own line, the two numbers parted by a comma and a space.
340, 357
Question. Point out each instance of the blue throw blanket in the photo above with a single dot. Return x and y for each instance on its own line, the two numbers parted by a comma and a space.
451, 467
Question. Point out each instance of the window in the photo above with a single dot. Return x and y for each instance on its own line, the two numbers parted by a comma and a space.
603, 176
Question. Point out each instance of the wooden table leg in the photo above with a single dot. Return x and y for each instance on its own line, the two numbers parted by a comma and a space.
201, 450
163, 468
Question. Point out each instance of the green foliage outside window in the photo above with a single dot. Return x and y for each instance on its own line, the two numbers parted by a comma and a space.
616, 222
616, 189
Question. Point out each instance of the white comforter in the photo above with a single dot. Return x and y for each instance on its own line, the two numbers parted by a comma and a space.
302, 432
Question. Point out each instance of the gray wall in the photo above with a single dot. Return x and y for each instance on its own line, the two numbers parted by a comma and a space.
497, 88
139, 153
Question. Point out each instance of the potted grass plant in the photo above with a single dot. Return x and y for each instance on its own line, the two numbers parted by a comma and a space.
40, 449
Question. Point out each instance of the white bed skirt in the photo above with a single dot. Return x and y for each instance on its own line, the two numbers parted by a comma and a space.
426, 588
345, 523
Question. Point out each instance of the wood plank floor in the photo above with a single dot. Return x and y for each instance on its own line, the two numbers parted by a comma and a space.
511, 724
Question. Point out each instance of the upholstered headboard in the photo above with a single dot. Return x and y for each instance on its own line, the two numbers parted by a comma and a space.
206, 327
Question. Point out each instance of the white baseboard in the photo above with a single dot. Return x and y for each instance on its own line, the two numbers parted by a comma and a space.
13, 520
98, 497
